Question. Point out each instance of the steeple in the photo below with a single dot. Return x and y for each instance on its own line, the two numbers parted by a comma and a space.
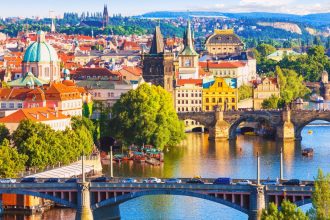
105, 20
188, 42
157, 45
53, 28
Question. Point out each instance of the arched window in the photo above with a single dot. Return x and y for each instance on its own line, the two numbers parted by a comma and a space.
207, 100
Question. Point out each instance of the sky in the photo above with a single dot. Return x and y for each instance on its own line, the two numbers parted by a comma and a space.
42, 8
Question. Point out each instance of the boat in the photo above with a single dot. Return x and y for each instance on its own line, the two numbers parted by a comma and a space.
316, 98
310, 132
250, 133
307, 152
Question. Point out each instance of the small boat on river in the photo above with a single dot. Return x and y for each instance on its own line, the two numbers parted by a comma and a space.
307, 152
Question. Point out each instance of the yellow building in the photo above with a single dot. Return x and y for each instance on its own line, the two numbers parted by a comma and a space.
222, 92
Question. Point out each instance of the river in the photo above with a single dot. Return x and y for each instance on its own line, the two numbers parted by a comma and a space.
199, 156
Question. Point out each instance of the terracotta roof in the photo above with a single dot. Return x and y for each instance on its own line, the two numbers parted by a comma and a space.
35, 114
59, 91
181, 82
227, 65
137, 71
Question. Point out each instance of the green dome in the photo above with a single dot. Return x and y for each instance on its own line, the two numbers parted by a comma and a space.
40, 51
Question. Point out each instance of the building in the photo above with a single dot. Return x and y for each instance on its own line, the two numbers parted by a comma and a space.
105, 19
224, 42
188, 95
50, 116
66, 99
188, 58
230, 69
278, 55
41, 59
264, 90
158, 65
221, 92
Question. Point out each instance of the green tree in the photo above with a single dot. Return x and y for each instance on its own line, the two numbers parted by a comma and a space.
146, 115
271, 103
289, 211
321, 197
244, 92
4, 133
291, 85
11, 162
265, 49
87, 109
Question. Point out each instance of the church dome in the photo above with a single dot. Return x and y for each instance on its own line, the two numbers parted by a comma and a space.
40, 51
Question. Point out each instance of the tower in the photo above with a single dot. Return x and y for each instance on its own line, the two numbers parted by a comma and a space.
105, 20
158, 65
188, 58
52, 27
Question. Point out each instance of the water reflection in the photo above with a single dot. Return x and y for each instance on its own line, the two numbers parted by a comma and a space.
199, 156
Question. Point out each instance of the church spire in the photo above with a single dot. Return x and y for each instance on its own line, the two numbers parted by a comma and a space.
157, 45
105, 20
188, 42
53, 28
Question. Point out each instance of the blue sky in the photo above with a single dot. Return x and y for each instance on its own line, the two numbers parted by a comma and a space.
29, 8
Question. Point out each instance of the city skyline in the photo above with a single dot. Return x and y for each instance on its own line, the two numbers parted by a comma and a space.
38, 8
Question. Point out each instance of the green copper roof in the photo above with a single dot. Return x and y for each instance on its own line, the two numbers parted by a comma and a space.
40, 51
28, 80
188, 43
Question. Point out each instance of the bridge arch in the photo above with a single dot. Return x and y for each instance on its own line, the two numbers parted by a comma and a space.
40, 195
300, 127
244, 118
133, 195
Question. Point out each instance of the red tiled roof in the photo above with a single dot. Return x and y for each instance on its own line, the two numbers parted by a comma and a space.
227, 65
34, 114
181, 82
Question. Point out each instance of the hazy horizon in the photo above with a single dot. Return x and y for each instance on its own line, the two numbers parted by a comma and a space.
45, 8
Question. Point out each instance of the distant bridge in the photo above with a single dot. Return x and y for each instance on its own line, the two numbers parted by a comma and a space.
287, 124
102, 200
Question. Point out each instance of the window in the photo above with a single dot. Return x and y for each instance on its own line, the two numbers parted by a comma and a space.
11, 105
233, 100
207, 108
178, 101
3, 105
213, 100
19, 105
178, 94
207, 100
220, 99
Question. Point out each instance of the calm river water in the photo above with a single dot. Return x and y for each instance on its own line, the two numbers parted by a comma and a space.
199, 156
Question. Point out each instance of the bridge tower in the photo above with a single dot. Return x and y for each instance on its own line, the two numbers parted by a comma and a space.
257, 202
220, 130
285, 130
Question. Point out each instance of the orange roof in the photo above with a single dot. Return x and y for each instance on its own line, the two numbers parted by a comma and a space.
59, 91
181, 82
228, 65
134, 70
35, 114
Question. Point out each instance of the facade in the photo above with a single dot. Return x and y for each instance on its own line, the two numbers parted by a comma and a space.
230, 69
219, 93
45, 115
264, 90
224, 42
188, 58
67, 100
41, 59
188, 95
158, 65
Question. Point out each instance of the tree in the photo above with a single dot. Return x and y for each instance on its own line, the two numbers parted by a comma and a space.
321, 197
271, 103
11, 162
291, 85
146, 116
244, 92
265, 49
289, 211
4, 133
87, 109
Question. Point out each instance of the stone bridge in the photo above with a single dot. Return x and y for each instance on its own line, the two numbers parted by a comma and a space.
287, 124
102, 200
